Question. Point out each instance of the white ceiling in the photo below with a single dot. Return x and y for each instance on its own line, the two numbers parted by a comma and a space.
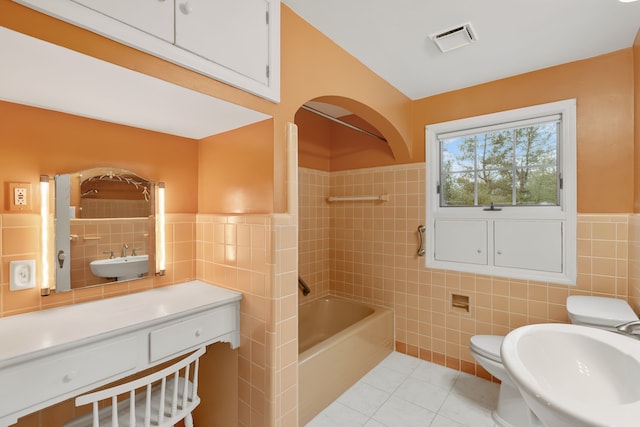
41, 74
514, 36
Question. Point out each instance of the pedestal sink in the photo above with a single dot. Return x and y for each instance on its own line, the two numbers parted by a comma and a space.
573, 375
129, 267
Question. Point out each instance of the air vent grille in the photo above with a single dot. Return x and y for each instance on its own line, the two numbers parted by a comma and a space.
455, 37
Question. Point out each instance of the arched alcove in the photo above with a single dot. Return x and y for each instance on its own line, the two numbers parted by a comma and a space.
338, 133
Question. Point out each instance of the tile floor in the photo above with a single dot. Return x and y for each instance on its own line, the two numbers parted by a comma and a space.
403, 391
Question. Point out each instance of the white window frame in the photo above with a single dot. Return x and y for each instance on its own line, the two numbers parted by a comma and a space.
566, 212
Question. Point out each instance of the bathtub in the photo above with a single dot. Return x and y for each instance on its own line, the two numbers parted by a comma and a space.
338, 342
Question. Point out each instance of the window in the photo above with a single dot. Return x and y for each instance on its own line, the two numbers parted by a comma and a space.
514, 165
501, 191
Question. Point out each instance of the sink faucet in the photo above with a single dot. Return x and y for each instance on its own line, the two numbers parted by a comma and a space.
124, 250
629, 328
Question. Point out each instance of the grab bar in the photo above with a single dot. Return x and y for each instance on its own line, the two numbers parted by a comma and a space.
421, 230
302, 285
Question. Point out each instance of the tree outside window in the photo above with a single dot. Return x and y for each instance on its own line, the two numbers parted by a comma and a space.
514, 166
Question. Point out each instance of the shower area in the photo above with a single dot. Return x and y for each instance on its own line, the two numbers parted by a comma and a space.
356, 242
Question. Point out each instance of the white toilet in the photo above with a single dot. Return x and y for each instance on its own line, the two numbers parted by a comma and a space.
511, 409
599, 312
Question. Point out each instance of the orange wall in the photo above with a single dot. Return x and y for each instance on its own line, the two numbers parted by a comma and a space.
241, 163
328, 146
34, 142
603, 87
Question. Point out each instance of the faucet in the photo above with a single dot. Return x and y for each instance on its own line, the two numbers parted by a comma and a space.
305, 288
124, 250
111, 255
629, 328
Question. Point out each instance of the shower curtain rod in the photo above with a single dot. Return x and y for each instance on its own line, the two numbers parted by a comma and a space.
343, 123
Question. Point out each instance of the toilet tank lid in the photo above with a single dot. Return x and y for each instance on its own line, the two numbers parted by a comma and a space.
599, 310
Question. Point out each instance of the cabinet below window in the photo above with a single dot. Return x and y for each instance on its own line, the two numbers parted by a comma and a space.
236, 42
514, 248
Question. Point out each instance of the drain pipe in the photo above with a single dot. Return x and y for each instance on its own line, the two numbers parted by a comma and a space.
302, 285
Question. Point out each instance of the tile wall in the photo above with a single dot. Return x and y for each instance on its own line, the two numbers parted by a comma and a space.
634, 262
19, 240
366, 251
111, 208
257, 256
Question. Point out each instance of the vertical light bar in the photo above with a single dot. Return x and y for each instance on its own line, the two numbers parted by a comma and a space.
44, 233
161, 259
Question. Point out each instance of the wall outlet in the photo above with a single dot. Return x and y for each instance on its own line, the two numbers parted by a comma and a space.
22, 275
19, 196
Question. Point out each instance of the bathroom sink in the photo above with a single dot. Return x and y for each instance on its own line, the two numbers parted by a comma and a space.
125, 267
573, 375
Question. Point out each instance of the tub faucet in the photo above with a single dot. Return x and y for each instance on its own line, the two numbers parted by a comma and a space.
305, 288
629, 328
124, 250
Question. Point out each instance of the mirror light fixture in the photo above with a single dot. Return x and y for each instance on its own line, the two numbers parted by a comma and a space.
44, 234
161, 260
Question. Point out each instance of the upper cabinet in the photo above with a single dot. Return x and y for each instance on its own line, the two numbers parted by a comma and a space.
232, 33
154, 17
234, 41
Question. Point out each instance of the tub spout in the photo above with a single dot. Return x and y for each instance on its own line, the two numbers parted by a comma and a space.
305, 288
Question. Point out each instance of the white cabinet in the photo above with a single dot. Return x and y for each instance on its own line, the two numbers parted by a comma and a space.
461, 241
151, 16
232, 33
531, 249
63, 352
234, 41
532, 245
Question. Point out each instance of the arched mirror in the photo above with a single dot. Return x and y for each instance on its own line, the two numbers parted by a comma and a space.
104, 227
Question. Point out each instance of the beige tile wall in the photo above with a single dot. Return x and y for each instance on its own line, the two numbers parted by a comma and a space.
254, 254
634, 261
111, 208
257, 256
372, 258
313, 240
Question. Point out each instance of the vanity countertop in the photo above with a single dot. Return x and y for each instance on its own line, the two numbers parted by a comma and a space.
37, 333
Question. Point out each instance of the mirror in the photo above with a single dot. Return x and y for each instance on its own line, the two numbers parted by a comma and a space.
104, 227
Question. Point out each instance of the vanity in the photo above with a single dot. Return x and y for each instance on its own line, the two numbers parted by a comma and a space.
53, 355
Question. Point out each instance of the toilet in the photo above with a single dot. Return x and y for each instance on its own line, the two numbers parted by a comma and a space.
511, 409
599, 312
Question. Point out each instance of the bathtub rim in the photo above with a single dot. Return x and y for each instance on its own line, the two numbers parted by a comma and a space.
333, 340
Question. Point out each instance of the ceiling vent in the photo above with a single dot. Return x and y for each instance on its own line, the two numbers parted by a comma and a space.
454, 38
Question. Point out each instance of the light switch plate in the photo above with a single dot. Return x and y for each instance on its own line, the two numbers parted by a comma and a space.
22, 275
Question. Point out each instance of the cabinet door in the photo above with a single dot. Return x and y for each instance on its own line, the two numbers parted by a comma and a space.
533, 245
231, 33
461, 241
154, 17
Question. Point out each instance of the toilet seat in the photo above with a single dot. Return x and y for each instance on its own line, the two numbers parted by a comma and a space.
487, 346
599, 311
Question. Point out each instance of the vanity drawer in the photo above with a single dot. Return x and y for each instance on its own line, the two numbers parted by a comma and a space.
32, 382
192, 332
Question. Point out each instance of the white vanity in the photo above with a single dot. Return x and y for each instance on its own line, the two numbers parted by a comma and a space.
52, 355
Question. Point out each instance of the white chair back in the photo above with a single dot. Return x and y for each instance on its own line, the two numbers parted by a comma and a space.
160, 399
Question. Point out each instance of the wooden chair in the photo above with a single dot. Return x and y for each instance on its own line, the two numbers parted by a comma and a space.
160, 399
